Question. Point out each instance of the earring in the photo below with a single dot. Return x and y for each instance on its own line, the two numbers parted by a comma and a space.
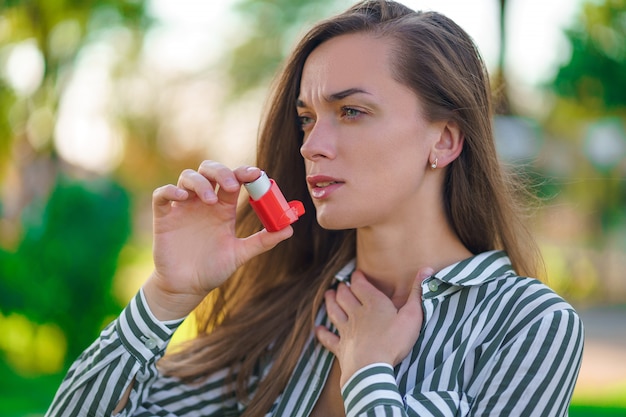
434, 164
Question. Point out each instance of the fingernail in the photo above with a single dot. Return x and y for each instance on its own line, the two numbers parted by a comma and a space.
426, 273
209, 196
229, 182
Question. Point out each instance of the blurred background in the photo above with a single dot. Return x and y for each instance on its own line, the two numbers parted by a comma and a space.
102, 101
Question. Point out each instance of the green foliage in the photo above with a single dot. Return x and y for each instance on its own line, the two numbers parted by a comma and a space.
6, 100
589, 119
595, 73
25, 396
271, 26
62, 272
59, 29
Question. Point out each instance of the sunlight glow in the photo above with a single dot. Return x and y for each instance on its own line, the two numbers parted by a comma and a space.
191, 36
535, 43
85, 135
31, 347
25, 67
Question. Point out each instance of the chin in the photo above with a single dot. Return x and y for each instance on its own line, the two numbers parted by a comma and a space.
335, 222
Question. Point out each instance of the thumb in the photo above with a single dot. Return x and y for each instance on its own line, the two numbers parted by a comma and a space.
414, 302
422, 274
263, 241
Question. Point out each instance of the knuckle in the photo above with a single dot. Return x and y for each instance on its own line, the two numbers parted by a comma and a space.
159, 191
187, 173
215, 171
186, 177
207, 163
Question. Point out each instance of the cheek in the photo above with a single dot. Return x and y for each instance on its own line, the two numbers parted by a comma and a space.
397, 175
399, 140
399, 160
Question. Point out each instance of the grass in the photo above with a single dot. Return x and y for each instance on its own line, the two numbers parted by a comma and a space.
596, 411
606, 400
23, 395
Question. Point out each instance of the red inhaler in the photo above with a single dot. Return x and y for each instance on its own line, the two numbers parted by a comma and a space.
270, 205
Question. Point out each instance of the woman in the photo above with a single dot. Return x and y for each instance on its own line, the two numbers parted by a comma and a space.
397, 293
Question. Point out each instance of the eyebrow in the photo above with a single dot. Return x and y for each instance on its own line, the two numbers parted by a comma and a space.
337, 96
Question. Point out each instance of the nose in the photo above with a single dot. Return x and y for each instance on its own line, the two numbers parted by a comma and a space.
319, 142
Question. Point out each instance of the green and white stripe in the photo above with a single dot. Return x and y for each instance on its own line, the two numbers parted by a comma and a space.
492, 344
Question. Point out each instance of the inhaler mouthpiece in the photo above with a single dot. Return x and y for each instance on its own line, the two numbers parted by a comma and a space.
270, 205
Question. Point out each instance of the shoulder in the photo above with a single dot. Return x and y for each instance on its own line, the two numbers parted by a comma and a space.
522, 291
523, 296
492, 299
516, 308
489, 281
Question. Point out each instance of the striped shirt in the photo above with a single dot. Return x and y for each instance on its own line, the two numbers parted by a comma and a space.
491, 344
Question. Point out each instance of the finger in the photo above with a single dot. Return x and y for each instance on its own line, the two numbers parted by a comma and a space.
336, 314
328, 339
162, 198
198, 184
220, 174
363, 290
228, 185
246, 174
415, 297
262, 241
346, 298
422, 274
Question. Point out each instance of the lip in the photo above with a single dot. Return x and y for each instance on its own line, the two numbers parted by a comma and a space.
323, 192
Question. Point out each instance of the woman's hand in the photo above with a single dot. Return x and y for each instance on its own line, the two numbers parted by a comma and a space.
195, 246
371, 329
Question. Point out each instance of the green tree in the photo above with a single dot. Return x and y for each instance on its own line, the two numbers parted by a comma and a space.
60, 233
272, 27
62, 271
594, 75
590, 114
58, 30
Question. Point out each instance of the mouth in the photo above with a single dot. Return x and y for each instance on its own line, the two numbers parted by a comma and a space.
322, 181
322, 186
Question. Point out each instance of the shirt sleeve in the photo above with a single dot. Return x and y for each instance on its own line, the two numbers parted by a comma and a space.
372, 391
125, 353
533, 375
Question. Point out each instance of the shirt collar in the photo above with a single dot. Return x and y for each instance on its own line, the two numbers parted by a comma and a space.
478, 269
475, 270
344, 273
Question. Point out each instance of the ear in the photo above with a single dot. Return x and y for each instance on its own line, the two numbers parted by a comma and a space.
448, 146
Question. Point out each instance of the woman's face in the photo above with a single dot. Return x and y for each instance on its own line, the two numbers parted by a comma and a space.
366, 142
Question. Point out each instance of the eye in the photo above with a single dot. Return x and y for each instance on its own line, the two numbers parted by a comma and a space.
350, 112
305, 122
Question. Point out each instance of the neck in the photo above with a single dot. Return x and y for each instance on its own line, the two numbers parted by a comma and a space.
391, 255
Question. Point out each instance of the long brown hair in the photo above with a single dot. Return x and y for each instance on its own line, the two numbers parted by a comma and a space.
265, 310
